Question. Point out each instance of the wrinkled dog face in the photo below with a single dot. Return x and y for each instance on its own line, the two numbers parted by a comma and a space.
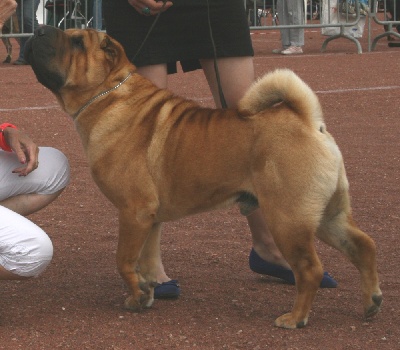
58, 57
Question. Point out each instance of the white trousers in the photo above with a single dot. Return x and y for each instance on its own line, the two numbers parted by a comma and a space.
25, 249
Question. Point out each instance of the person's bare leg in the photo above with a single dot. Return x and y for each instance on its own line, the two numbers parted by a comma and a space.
236, 75
26, 204
156, 73
161, 274
7, 275
263, 242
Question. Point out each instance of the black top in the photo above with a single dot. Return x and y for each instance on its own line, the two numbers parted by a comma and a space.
182, 33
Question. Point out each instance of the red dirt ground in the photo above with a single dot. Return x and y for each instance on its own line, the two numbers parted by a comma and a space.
78, 302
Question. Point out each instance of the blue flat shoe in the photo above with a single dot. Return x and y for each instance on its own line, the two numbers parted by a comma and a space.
258, 265
167, 290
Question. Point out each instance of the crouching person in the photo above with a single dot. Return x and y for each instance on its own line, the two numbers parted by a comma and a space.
31, 177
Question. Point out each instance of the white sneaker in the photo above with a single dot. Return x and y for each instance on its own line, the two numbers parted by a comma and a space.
277, 50
291, 50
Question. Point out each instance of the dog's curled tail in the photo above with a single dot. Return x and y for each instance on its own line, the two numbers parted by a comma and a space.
282, 86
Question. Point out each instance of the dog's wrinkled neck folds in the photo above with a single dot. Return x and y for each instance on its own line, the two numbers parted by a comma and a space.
88, 103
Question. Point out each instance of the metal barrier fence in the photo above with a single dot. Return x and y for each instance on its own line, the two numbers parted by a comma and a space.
390, 19
74, 13
349, 19
59, 13
335, 18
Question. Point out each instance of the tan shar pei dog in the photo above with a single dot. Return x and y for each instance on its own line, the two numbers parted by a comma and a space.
158, 157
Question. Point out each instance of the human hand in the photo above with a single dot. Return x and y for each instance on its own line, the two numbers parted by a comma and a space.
7, 8
25, 149
150, 7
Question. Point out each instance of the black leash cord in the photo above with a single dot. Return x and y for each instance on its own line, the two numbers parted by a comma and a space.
149, 32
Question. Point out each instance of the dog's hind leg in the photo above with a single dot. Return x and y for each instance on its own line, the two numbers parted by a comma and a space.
293, 233
135, 226
339, 230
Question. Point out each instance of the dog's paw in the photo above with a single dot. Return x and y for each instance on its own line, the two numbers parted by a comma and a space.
374, 308
147, 298
133, 304
288, 321
137, 305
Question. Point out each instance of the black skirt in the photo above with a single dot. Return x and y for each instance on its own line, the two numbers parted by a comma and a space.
182, 33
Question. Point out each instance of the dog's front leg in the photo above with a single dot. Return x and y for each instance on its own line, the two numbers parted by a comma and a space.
134, 230
150, 260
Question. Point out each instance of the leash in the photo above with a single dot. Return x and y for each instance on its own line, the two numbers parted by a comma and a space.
129, 75
220, 91
150, 30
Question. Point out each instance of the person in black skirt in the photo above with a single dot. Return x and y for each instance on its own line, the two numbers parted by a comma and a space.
182, 34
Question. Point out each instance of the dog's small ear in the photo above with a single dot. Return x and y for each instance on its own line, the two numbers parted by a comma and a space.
108, 46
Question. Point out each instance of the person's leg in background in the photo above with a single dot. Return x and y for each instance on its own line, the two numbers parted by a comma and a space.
236, 75
157, 74
290, 12
296, 35
97, 15
283, 16
28, 22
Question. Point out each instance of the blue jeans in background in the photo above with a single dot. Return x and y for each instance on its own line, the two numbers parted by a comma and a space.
28, 22
97, 15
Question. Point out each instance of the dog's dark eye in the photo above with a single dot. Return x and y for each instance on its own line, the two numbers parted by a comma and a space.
77, 41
